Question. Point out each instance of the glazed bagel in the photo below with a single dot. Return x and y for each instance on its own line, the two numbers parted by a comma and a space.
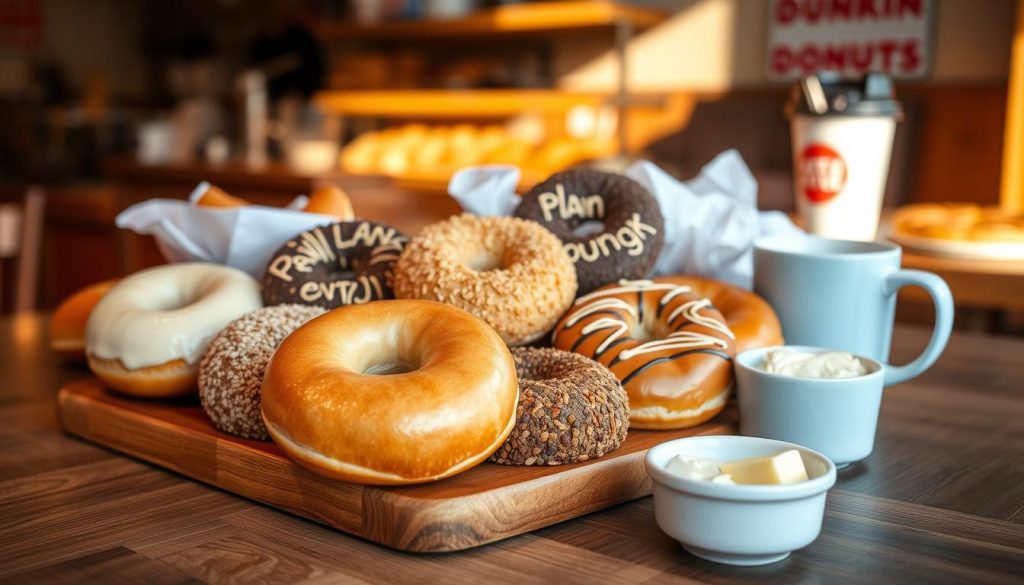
571, 409
510, 272
146, 335
670, 341
631, 228
67, 326
390, 392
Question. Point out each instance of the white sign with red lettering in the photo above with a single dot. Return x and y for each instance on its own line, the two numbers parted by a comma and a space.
850, 36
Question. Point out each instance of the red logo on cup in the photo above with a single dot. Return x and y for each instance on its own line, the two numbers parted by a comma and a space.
822, 173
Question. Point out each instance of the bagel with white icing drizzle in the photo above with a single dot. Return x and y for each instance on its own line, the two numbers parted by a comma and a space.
670, 341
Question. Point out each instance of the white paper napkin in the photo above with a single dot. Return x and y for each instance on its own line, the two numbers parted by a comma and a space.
711, 221
241, 237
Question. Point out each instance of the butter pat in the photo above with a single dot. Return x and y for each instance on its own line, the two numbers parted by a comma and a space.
786, 467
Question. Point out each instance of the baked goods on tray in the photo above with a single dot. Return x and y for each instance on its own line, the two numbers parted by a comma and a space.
960, 229
668, 343
147, 334
391, 392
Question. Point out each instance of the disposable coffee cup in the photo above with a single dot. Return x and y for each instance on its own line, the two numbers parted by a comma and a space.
842, 131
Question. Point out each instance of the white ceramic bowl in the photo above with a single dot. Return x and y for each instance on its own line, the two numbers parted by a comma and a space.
738, 524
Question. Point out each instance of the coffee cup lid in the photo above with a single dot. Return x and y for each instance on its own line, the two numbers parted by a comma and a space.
827, 93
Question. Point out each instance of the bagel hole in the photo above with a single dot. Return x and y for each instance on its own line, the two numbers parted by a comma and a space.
648, 330
389, 368
588, 227
484, 261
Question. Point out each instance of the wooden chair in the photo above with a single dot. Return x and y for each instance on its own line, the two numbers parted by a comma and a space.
21, 230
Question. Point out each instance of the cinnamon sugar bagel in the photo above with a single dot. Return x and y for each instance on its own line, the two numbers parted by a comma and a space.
231, 372
670, 341
512, 273
571, 409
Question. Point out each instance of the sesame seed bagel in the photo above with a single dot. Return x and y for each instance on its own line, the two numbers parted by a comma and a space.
231, 372
571, 409
390, 392
512, 273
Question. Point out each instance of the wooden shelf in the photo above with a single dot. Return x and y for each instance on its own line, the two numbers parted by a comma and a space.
487, 103
516, 19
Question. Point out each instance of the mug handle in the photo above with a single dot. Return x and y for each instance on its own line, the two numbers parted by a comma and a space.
943, 299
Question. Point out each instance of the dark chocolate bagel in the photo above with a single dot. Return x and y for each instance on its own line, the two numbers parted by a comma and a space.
570, 409
342, 263
632, 231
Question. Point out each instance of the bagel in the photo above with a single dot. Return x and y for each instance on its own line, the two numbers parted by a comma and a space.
571, 409
510, 272
67, 325
147, 334
670, 341
231, 372
332, 265
630, 228
390, 392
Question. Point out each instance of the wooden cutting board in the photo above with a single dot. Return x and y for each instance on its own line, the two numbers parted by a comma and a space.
487, 503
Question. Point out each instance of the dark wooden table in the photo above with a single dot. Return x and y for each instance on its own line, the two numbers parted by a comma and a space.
940, 500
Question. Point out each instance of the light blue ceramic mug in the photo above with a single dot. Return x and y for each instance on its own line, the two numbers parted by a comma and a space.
842, 295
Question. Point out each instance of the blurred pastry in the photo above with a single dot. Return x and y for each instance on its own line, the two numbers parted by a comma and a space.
67, 326
959, 221
216, 197
330, 200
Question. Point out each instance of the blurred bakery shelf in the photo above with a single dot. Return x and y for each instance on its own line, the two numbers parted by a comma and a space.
517, 19
483, 103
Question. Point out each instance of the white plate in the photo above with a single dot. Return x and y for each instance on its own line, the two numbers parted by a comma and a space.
960, 248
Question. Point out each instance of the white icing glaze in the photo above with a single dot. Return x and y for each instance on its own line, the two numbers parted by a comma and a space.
629, 237
691, 310
167, 313
677, 340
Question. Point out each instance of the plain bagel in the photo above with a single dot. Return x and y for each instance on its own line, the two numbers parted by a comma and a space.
390, 392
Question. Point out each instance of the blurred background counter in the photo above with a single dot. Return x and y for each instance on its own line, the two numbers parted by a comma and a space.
111, 102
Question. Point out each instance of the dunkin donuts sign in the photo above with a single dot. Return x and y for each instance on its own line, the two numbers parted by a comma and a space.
852, 37
822, 173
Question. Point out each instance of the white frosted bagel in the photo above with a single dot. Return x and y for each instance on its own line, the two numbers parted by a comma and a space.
148, 332
390, 392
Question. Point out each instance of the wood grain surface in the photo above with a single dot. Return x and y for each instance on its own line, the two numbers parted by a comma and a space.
487, 503
941, 500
